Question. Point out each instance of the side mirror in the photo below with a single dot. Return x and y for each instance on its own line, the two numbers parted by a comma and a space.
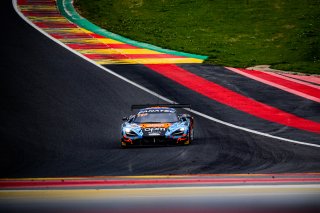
124, 118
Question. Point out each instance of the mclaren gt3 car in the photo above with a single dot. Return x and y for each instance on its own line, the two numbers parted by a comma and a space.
157, 125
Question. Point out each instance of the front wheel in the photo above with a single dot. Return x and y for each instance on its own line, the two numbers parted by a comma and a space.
123, 145
191, 136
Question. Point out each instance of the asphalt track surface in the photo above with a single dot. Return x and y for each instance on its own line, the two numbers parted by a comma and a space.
61, 116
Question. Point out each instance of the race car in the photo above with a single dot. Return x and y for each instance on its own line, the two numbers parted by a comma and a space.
158, 124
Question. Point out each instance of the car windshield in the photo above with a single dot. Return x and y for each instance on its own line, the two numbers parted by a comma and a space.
156, 118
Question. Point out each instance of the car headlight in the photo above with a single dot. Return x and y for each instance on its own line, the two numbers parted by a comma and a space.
179, 131
129, 132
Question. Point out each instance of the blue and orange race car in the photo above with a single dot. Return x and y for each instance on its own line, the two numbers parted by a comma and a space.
157, 125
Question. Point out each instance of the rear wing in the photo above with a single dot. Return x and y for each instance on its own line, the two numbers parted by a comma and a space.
160, 105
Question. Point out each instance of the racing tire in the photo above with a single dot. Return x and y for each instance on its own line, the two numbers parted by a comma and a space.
190, 138
123, 146
191, 135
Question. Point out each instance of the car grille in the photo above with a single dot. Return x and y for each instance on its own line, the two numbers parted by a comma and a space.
153, 140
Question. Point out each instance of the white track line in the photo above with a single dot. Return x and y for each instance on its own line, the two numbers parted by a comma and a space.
295, 92
292, 79
14, 2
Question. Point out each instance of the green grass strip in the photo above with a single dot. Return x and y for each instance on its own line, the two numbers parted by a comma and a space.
282, 33
66, 8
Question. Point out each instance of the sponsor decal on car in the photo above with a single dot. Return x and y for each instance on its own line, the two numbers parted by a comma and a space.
154, 129
157, 111
164, 125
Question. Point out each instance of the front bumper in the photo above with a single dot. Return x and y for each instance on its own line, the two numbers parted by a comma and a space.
154, 141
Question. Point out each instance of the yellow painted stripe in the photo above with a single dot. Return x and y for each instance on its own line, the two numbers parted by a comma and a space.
67, 30
91, 41
156, 192
118, 51
149, 61
52, 21
48, 18
38, 7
